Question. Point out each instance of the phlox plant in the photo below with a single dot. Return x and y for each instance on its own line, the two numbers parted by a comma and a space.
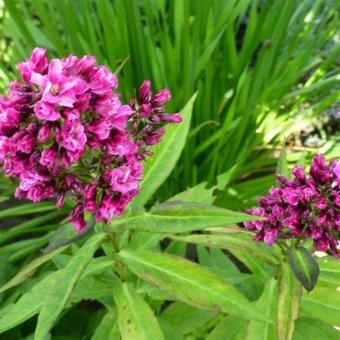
66, 137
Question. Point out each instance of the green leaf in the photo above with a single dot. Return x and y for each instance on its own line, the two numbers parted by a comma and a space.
230, 328
90, 288
307, 328
176, 217
170, 332
26, 209
185, 318
98, 266
230, 242
268, 305
66, 235
28, 304
329, 270
189, 282
304, 266
62, 289
166, 155
199, 193
135, 318
323, 303
108, 328
29, 269
289, 303
282, 165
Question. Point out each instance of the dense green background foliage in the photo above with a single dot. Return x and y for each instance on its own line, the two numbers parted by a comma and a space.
262, 71
261, 68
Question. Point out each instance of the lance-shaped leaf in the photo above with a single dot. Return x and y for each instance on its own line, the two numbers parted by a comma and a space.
185, 318
28, 304
229, 328
166, 155
309, 328
268, 305
136, 320
62, 289
323, 303
304, 266
189, 282
289, 303
230, 242
329, 270
108, 327
29, 269
177, 217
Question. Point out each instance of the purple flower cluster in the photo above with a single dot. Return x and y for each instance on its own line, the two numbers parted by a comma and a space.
64, 130
303, 207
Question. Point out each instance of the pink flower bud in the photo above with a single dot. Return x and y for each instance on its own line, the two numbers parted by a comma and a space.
144, 93
161, 97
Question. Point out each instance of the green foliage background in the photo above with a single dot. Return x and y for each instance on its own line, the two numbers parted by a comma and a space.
262, 70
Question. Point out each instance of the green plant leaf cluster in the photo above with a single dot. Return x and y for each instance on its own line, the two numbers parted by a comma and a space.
177, 265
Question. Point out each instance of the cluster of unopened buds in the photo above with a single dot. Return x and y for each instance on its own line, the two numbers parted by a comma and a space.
64, 130
306, 207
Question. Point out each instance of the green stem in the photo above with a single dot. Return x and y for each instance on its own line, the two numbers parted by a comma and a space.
119, 266
283, 246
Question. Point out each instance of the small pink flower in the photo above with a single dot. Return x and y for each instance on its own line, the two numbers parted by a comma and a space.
44, 133
9, 119
76, 217
36, 63
48, 158
3, 147
46, 111
90, 194
107, 209
103, 81
72, 136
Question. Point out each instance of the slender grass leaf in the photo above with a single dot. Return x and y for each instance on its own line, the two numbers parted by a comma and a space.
26, 209
282, 165
29, 269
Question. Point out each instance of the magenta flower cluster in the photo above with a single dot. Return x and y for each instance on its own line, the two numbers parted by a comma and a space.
303, 207
64, 130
